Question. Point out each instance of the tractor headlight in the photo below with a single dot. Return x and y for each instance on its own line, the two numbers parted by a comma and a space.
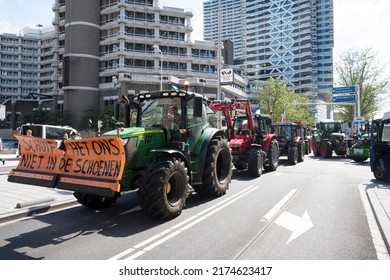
130, 144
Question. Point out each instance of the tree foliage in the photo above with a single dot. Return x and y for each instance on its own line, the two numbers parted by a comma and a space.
275, 96
361, 68
59, 117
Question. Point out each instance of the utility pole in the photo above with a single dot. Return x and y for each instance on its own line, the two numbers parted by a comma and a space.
219, 93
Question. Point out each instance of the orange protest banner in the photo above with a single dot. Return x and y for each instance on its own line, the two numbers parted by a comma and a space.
83, 165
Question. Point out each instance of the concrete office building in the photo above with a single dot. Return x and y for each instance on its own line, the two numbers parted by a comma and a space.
111, 48
291, 39
26, 71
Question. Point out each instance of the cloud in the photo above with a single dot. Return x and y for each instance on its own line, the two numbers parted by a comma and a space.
361, 24
6, 27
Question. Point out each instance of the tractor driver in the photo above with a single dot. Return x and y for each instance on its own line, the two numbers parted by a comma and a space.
172, 118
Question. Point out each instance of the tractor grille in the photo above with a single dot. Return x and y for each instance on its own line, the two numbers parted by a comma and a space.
148, 139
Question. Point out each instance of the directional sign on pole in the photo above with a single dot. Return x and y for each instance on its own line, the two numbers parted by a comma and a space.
358, 120
344, 98
348, 89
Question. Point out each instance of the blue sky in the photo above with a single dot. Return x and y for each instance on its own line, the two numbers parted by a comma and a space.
357, 23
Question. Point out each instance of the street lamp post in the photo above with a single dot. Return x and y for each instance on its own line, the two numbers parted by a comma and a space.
219, 91
161, 67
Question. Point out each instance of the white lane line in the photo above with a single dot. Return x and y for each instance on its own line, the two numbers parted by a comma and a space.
122, 254
271, 213
147, 241
180, 227
201, 218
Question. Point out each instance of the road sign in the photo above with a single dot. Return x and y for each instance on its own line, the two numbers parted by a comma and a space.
348, 89
358, 120
344, 98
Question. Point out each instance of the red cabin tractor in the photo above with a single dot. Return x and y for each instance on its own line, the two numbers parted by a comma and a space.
253, 146
291, 141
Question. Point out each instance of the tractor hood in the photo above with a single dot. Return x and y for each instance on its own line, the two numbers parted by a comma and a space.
129, 132
337, 136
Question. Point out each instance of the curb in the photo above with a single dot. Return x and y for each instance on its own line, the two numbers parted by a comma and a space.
381, 217
36, 210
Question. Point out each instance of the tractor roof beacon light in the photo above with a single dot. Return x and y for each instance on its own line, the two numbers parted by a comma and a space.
186, 85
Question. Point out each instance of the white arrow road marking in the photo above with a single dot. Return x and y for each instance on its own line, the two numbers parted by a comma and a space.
271, 213
298, 225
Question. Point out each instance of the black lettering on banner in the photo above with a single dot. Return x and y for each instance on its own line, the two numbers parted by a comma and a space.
99, 168
51, 163
104, 147
38, 146
31, 161
79, 148
65, 164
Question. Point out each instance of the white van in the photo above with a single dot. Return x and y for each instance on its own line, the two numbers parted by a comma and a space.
48, 131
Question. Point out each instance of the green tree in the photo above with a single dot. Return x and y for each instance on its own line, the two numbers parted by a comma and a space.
38, 116
275, 96
109, 121
362, 68
89, 115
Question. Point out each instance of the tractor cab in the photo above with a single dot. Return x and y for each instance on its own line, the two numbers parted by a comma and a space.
380, 148
291, 141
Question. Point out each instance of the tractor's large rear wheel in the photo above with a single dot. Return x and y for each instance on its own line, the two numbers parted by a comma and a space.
163, 187
378, 172
316, 147
273, 156
255, 162
307, 147
301, 151
326, 149
292, 155
95, 201
217, 171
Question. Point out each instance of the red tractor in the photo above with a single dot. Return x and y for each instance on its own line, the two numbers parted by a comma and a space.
253, 146
291, 141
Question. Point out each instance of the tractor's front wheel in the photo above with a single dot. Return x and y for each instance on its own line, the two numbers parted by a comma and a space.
273, 156
301, 151
163, 187
378, 172
217, 171
255, 162
95, 202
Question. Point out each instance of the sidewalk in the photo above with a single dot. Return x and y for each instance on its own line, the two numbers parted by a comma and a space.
30, 200
16, 202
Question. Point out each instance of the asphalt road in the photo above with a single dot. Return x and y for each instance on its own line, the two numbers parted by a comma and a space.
311, 211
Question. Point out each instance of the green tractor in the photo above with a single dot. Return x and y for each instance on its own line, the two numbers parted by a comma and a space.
360, 149
169, 149
328, 138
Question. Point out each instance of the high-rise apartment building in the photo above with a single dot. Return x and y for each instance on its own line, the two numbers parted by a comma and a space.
291, 39
26, 70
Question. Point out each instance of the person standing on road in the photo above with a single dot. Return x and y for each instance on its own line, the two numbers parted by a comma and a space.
1, 150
